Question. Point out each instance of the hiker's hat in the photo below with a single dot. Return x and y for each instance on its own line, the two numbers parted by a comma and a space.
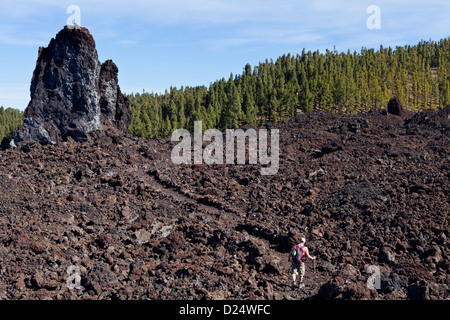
302, 240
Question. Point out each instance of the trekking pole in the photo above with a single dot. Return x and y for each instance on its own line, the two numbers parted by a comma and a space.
314, 265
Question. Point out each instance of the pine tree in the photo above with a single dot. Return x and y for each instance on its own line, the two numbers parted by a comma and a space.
232, 113
166, 128
306, 97
334, 82
10, 120
249, 108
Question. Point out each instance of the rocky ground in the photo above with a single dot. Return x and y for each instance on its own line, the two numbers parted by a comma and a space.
366, 190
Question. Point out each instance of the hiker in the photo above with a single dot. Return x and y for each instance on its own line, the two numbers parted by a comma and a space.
297, 257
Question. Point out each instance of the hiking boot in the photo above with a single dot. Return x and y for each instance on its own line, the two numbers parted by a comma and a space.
294, 285
301, 285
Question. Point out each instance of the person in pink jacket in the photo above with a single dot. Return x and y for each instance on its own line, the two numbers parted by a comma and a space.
298, 255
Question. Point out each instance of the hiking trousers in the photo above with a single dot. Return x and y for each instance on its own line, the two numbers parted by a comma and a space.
298, 269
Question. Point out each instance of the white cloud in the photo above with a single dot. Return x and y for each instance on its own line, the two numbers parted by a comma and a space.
14, 95
248, 21
192, 27
9, 35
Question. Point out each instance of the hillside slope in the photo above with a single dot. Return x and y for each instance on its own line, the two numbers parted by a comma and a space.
371, 189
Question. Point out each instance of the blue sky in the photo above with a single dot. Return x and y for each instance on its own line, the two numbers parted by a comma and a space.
158, 44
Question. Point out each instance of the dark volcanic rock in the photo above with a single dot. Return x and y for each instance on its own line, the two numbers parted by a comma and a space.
71, 92
137, 226
114, 106
396, 108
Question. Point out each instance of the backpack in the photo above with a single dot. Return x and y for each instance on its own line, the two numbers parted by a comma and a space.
297, 254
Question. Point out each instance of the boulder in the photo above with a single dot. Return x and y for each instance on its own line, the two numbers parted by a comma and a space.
396, 108
114, 106
388, 254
